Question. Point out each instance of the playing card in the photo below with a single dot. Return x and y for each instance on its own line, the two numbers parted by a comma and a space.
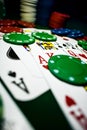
34, 62
32, 95
16, 74
72, 48
60, 89
13, 118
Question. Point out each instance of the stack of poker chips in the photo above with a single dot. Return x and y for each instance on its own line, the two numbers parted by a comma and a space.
9, 25
58, 20
44, 9
72, 33
28, 10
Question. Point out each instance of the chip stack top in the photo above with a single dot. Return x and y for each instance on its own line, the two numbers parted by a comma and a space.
28, 10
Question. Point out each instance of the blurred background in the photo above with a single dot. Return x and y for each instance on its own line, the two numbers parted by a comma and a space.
41, 12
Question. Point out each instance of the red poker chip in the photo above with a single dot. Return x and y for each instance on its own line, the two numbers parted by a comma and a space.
85, 38
57, 20
26, 24
7, 22
57, 15
9, 29
56, 24
82, 38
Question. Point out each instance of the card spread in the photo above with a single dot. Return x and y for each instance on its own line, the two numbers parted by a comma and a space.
25, 73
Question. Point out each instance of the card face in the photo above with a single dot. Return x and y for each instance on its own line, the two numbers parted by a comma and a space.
13, 118
62, 90
71, 48
18, 78
30, 93
29, 80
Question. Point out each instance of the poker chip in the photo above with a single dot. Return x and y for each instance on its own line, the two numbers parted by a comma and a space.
7, 22
26, 24
8, 29
60, 31
28, 10
18, 38
75, 33
83, 44
68, 69
82, 38
44, 36
28, 17
72, 33
58, 20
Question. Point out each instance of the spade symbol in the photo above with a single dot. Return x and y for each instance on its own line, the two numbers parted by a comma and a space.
12, 55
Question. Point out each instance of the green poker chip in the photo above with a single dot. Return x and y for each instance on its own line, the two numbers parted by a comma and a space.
18, 38
44, 36
68, 69
83, 44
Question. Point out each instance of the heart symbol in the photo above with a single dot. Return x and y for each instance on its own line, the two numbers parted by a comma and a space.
12, 74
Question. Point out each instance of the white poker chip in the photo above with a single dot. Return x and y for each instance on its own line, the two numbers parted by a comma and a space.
27, 18
27, 8
28, 4
31, 1
28, 15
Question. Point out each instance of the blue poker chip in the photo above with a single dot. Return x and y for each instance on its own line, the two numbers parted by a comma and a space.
60, 31
81, 35
75, 33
